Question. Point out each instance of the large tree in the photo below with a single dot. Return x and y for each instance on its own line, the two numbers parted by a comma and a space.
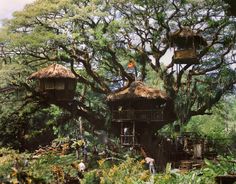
97, 38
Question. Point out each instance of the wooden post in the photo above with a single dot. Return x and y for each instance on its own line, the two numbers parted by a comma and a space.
79, 135
121, 134
133, 132
80, 127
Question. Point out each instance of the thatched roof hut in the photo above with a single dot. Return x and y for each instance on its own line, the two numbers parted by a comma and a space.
56, 83
187, 36
137, 111
231, 10
53, 71
137, 90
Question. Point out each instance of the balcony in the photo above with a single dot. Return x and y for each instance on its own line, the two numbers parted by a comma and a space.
188, 56
137, 115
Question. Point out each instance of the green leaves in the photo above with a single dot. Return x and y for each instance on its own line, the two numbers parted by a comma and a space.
218, 126
97, 38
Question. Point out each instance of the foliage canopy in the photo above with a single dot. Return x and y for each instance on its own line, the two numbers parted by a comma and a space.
97, 38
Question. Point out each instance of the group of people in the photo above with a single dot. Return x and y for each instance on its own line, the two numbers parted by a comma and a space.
83, 148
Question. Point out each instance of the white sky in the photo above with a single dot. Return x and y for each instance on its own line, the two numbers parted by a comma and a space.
7, 7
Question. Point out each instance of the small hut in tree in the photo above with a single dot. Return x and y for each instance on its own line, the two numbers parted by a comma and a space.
56, 83
185, 43
138, 112
231, 10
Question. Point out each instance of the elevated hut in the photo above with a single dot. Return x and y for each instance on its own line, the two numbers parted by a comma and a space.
138, 111
56, 83
231, 9
185, 43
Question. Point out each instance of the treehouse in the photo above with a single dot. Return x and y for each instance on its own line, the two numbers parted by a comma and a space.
185, 43
137, 111
56, 83
231, 9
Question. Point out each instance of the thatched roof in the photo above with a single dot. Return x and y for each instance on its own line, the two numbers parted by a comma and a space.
137, 90
232, 7
53, 71
186, 33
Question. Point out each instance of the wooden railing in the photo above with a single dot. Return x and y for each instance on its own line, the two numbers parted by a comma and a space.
182, 54
138, 115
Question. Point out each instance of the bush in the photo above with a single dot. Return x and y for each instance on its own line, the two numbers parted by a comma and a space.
206, 175
128, 171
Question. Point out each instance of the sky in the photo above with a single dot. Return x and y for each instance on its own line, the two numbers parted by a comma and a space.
7, 7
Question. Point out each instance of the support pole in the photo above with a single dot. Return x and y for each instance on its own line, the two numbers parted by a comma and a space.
133, 137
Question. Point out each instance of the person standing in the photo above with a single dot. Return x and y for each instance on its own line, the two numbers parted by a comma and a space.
150, 162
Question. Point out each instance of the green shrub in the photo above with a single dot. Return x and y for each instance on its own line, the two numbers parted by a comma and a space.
92, 177
206, 175
129, 171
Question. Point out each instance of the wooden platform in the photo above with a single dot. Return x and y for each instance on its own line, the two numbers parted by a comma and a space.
226, 179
